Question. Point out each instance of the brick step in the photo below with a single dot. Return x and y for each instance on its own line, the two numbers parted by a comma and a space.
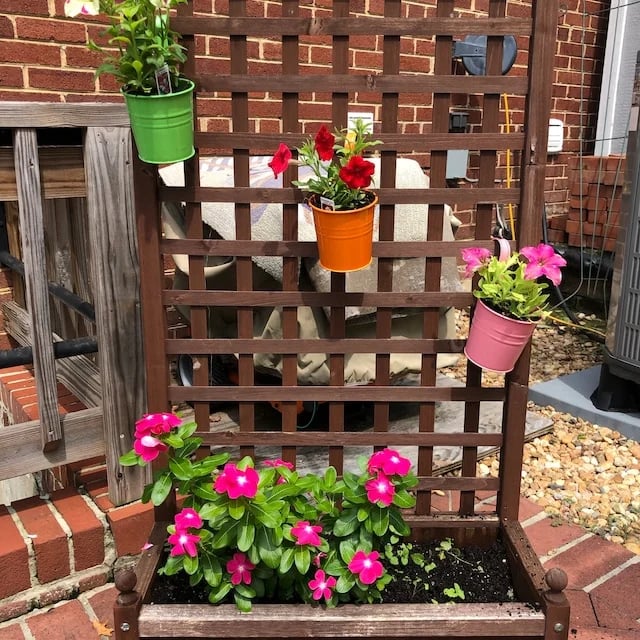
59, 546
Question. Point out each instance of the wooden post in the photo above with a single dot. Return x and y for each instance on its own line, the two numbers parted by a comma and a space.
37, 294
116, 282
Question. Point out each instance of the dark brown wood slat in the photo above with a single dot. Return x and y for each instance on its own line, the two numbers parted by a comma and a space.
365, 393
244, 268
321, 345
240, 194
369, 83
290, 266
343, 26
368, 438
316, 299
388, 249
433, 265
391, 141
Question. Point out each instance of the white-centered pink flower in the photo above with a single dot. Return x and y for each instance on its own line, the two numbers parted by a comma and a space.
474, 258
149, 447
390, 462
240, 568
183, 543
187, 518
543, 261
321, 585
380, 490
306, 533
236, 482
367, 566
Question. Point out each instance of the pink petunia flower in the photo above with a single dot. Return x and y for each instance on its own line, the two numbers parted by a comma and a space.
543, 261
390, 462
380, 490
306, 533
237, 482
240, 569
154, 424
149, 448
188, 518
366, 566
280, 160
183, 542
321, 585
474, 258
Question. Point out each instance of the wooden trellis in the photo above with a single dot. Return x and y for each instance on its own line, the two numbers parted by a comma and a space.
289, 26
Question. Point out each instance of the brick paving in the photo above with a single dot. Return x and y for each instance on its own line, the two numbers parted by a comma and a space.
604, 586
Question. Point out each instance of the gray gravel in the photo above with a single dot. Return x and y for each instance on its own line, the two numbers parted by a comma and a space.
579, 472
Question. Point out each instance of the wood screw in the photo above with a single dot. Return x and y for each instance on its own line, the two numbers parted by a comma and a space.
125, 626
558, 627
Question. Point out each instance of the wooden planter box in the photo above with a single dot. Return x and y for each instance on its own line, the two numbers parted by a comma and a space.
542, 611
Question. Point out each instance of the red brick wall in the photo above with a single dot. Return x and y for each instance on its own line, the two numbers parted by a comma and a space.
43, 57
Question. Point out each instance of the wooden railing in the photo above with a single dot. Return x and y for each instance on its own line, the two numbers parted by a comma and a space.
94, 180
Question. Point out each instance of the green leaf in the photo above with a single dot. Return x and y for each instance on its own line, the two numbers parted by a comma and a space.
190, 446
190, 564
347, 523
286, 560
211, 569
330, 477
211, 511
347, 550
236, 509
302, 559
146, 493
181, 468
206, 492
218, 595
404, 500
227, 536
345, 583
243, 604
206, 466
246, 535
245, 590
186, 429
397, 524
269, 547
379, 521
161, 488
266, 516
129, 459
173, 440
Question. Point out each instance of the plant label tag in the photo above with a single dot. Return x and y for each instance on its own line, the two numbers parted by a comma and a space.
163, 80
327, 204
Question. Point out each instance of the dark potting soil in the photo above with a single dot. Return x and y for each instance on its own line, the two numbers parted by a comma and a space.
435, 572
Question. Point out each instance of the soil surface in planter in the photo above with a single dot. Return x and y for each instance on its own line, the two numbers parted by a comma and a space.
436, 572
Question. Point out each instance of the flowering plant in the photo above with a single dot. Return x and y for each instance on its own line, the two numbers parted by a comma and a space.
511, 286
148, 52
267, 531
341, 175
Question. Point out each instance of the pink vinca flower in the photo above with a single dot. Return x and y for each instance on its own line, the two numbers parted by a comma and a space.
280, 160
149, 448
474, 258
543, 261
182, 542
153, 424
188, 518
237, 482
390, 462
367, 566
380, 490
306, 533
317, 560
321, 585
73, 8
240, 569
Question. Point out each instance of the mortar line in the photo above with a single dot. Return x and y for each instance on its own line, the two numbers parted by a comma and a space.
67, 531
565, 547
538, 517
611, 574
28, 540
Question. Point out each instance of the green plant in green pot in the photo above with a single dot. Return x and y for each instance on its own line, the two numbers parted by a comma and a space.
145, 60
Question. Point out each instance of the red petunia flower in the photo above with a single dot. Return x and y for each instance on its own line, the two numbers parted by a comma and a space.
357, 173
280, 160
324, 143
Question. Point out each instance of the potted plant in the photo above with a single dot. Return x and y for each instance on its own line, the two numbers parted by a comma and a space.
264, 531
342, 205
145, 61
511, 301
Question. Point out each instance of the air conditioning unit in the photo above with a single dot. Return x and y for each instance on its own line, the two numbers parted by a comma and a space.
619, 385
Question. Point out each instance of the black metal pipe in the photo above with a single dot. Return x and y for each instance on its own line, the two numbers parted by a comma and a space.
62, 349
69, 298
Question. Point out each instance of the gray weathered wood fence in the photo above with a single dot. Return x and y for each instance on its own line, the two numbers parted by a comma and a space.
91, 184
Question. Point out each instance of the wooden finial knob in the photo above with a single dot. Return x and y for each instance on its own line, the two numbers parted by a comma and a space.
556, 579
125, 582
